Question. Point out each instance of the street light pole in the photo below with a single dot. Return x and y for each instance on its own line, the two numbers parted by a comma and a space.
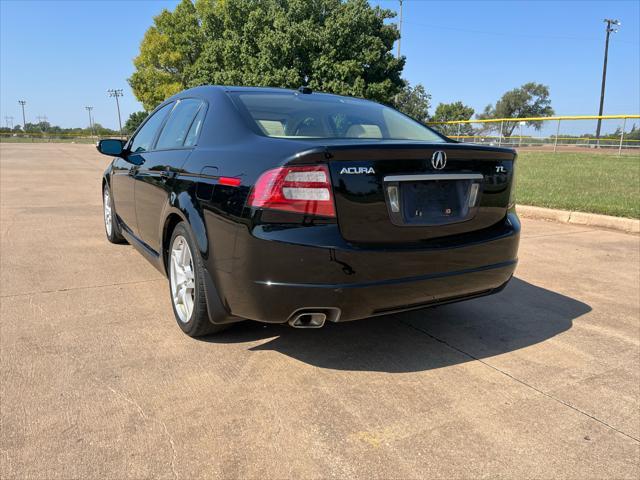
609, 22
88, 109
24, 122
117, 93
400, 29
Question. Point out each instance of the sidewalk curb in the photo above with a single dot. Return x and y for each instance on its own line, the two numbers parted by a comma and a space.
628, 225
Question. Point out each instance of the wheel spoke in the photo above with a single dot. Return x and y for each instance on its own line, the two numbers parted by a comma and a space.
189, 281
175, 260
188, 303
176, 298
186, 255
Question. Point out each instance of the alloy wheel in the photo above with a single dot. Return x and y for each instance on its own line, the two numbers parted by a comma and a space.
107, 211
182, 278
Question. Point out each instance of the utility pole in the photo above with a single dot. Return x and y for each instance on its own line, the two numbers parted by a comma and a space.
88, 109
609, 29
117, 93
8, 121
24, 122
400, 28
42, 121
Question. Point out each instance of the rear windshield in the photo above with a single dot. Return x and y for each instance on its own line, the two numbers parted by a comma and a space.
295, 115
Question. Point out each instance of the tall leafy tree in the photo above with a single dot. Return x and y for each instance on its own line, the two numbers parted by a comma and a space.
448, 112
168, 51
413, 101
338, 46
134, 121
529, 100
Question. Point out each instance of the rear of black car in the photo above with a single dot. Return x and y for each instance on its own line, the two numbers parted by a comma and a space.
356, 227
441, 245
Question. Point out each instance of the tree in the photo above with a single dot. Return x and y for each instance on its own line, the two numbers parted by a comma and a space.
32, 128
413, 101
134, 121
530, 100
448, 112
167, 53
342, 47
104, 131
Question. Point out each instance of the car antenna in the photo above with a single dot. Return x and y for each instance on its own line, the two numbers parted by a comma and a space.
305, 88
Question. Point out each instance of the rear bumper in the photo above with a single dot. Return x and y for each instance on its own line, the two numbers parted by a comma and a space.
275, 273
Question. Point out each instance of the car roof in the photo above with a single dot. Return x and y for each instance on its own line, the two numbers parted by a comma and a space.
209, 91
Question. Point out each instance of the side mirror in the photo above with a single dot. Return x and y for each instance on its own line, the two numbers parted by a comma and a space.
111, 146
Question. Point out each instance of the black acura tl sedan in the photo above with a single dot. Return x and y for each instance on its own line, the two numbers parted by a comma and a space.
295, 206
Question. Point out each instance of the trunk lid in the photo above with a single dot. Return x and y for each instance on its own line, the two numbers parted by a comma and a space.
398, 192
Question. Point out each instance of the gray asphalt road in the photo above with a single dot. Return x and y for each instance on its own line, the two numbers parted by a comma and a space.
540, 381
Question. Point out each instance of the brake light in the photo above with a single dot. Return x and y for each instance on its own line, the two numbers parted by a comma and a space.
304, 189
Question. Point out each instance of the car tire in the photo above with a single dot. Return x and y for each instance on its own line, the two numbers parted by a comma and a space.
187, 285
111, 227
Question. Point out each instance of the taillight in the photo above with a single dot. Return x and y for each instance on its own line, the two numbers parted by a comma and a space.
304, 189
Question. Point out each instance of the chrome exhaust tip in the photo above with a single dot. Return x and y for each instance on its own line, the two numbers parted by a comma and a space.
308, 320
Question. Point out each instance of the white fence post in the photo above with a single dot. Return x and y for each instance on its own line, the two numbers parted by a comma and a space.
500, 137
520, 141
624, 125
555, 144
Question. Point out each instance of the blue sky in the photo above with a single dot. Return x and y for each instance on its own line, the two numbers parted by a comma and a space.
62, 55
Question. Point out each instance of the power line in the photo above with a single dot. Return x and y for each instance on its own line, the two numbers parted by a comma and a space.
88, 109
609, 29
117, 93
507, 34
24, 121
400, 29
42, 120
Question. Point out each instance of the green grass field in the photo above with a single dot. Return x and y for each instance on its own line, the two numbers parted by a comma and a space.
587, 182
6, 139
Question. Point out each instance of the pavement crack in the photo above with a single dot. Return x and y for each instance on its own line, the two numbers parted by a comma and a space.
145, 417
522, 382
562, 234
87, 287
128, 399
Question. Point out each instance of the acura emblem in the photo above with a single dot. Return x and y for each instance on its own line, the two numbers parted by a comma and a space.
438, 160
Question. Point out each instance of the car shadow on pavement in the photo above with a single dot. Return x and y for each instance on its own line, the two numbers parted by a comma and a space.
521, 315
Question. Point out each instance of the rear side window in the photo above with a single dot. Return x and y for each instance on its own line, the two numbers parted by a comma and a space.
196, 126
143, 140
175, 130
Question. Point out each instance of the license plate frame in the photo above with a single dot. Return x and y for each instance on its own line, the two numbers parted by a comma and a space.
432, 199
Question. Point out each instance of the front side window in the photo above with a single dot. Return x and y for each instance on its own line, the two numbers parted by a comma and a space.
175, 130
143, 140
318, 116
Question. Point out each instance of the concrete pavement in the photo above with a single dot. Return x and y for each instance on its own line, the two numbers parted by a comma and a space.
97, 381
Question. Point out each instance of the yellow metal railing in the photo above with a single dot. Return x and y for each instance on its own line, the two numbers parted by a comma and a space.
538, 119
481, 136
